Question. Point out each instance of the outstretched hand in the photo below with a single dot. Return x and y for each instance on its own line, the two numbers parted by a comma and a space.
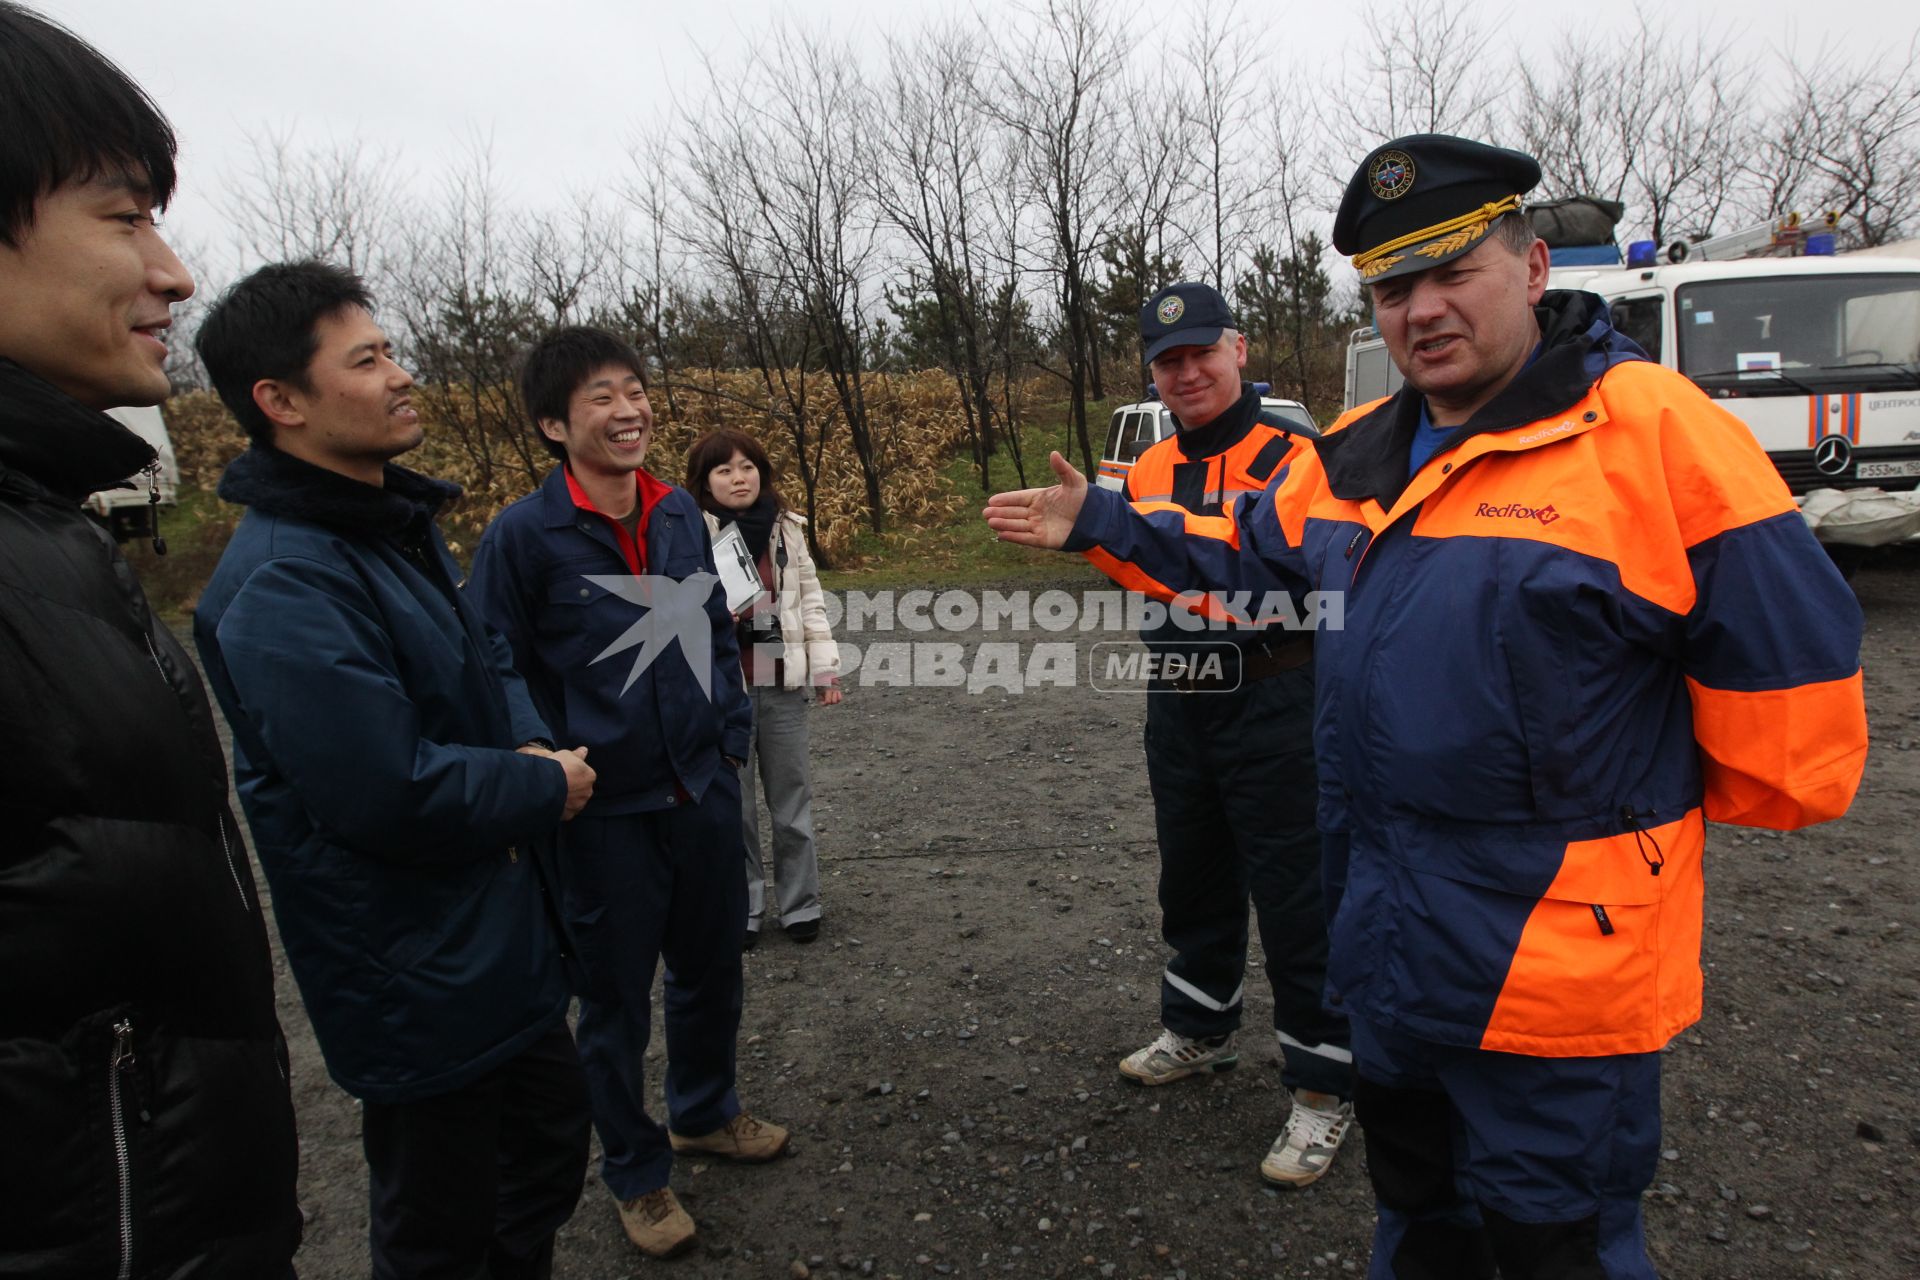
1040, 517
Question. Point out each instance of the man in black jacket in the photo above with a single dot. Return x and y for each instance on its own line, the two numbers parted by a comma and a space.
148, 1127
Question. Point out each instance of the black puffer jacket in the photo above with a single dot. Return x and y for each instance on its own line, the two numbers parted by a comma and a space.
146, 1126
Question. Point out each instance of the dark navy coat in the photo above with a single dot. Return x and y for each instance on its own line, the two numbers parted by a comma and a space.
374, 719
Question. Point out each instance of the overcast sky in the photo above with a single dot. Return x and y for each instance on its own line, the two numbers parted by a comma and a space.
562, 86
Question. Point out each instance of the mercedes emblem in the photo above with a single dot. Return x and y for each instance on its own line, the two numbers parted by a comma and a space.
1833, 455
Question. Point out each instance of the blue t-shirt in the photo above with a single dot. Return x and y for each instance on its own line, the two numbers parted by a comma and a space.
1427, 437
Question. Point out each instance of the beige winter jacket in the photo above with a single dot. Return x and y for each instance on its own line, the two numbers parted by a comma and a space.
812, 657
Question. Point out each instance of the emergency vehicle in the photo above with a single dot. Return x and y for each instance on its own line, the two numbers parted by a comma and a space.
1818, 353
1136, 427
128, 510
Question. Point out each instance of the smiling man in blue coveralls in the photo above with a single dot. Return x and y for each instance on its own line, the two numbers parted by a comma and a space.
603, 582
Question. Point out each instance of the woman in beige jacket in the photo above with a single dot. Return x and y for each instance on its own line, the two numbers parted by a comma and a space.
786, 649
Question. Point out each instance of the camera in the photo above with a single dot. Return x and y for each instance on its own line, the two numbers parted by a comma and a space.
761, 627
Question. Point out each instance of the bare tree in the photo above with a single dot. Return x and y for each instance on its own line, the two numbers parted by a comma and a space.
1055, 90
1859, 140
809, 109
1424, 69
1695, 128
337, 202
566, 259
645, 292
933, 148
760, 294
1219, 161
466, 322
1656, 119
1287, 277
1159, 208
1582, 115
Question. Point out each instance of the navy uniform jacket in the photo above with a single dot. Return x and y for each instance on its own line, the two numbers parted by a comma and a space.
374, 720
616, 640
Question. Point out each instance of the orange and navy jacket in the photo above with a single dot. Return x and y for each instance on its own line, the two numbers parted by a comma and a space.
1204, 470
1590, 622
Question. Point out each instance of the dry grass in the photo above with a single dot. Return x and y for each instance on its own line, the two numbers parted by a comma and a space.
916, 418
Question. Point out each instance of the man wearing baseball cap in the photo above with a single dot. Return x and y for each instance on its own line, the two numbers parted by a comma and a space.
1582, 618
1229, 745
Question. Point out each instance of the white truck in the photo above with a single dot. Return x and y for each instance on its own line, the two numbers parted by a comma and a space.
128, 510
1818, 355
1134, 428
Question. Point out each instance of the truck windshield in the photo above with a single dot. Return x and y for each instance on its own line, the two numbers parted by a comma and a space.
1800, 334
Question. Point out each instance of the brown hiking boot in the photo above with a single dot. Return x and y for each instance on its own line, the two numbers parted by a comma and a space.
657, 1225
742, 1138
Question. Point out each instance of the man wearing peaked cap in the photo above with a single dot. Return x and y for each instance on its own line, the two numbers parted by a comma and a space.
1563, 652
1230, 763
1184, 315
1419, 201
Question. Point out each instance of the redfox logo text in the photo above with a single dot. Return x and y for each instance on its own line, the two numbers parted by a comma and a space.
1515, 511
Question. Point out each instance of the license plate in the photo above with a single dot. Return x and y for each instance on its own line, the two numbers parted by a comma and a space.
1885, 470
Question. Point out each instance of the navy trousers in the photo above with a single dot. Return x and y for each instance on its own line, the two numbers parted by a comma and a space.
474, 1183
1479, 1159
1234, 791
639, 888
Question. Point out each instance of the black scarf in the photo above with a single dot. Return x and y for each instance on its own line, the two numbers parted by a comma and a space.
756, 524
279, 484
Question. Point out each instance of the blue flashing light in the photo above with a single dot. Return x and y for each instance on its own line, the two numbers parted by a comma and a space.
1153, 392
1263, 388
1820, 246
1643, 253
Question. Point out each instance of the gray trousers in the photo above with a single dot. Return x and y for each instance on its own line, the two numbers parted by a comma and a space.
777, 762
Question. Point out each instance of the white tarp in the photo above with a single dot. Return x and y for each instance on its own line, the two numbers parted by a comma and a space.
1862, 517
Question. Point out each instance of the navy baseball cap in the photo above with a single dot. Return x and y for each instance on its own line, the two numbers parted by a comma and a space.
1187, 314
1421, 200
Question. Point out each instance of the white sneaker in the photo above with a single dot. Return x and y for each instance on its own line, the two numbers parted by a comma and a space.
1306, 1147
1174, 1057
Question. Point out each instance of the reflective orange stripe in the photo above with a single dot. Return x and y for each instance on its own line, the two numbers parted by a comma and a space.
1781, 758
1152, 472
1579, 987
1221, 528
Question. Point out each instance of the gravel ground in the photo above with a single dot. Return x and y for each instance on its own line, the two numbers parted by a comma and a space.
945, 1052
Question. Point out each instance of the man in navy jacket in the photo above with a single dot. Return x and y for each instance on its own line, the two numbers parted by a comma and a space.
603, 582
375, 725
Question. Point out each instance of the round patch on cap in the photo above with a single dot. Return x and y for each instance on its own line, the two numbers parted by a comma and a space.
1390, 176
1171, 308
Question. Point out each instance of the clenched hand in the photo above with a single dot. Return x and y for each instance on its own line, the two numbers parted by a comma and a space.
580, 776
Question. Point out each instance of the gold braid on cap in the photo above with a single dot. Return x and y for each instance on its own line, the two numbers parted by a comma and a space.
1458, 233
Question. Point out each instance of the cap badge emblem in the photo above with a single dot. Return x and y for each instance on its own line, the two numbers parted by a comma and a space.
1171, 309
1390, 176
